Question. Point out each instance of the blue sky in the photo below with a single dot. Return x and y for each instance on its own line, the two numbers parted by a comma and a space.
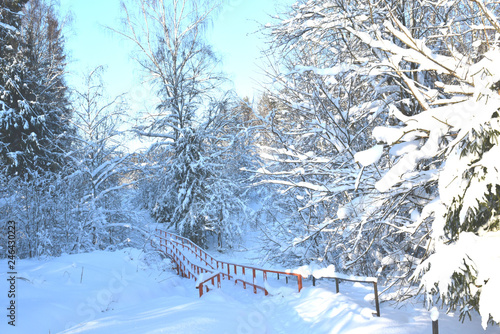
232, 35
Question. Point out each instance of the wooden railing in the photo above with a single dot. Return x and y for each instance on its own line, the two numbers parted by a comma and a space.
368, 280
185, 267
188, 269
172, 244
190, 250
212, 280
176, 247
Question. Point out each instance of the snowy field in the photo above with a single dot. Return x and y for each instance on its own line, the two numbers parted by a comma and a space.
129, 292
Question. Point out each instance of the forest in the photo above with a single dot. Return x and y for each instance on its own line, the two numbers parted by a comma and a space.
370, 148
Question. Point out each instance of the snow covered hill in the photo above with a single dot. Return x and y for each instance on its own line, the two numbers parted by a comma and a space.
128, 291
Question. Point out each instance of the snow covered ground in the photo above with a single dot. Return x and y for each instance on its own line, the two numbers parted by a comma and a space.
128, 291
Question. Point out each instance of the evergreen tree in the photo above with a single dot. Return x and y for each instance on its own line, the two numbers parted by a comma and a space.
46, 61
467, 214
186, 190
12, 65
36, 109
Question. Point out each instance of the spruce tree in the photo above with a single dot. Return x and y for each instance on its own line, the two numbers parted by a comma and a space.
46, 61
187, 188
469, 219
35, 113
11, 73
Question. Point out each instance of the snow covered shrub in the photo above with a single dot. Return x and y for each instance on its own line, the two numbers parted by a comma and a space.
41, 208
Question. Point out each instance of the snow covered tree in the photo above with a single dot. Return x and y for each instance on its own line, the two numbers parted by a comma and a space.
400, 71
205, 190
443, 151
11, 70
99, 164
169, 36
46, 61
186, 187
231, 152
186, 125
34, 119
466, 221
323, 107
37, 117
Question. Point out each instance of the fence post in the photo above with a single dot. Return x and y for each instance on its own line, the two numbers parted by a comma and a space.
299, 280
314, 281
337, 284
434, 317
254, 287
435, 327
375, 291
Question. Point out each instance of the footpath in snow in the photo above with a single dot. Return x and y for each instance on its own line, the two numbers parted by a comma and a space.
127, 291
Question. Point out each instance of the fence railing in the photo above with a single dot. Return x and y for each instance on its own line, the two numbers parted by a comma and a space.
212, 280
368, 280
185, 267
188, 269
177, 248
173, 243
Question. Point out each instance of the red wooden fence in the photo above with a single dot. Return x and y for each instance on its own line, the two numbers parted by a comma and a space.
176, 247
